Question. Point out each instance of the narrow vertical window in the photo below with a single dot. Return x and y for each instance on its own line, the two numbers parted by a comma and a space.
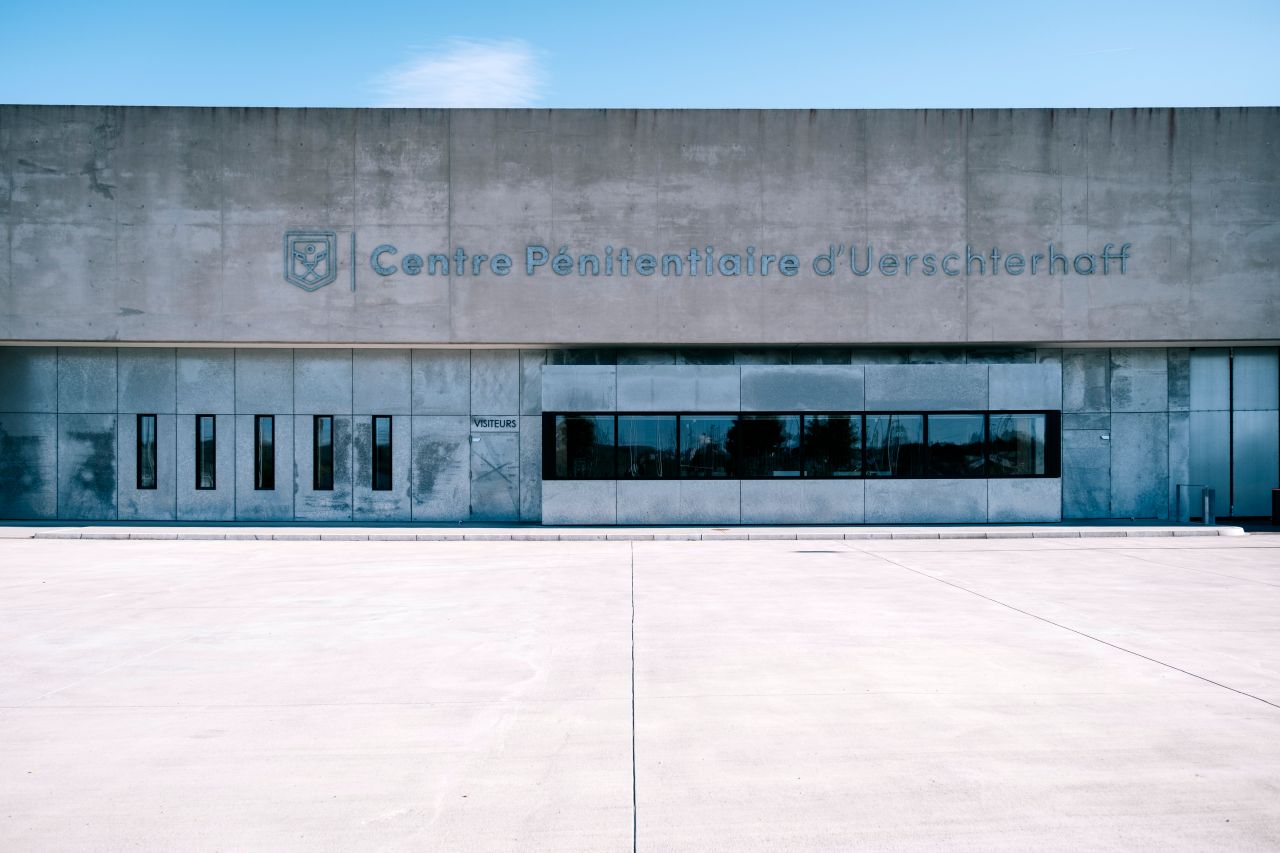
264, 452
322, 453
206, 452
381, 453
146, 451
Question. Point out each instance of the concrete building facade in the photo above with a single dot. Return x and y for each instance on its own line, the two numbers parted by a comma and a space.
411, 315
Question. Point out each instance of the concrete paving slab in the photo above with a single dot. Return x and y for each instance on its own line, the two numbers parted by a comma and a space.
905, 694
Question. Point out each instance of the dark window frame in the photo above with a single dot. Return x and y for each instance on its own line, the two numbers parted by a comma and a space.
154, 452
213, 460
259, 484
373, 453
1053, 442
316, 485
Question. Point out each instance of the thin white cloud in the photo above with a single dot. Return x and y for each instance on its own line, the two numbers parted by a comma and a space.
465, 73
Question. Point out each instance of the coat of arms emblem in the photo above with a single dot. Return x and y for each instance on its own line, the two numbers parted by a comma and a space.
310, 258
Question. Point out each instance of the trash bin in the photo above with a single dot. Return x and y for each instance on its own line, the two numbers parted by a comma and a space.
1189, 501
1207, 511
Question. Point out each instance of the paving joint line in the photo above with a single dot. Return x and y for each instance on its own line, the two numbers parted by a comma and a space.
634, 812
1067, 628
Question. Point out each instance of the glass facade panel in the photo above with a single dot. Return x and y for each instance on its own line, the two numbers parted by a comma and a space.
895, 446
264, 452
833, 446
765, 446
206, 452
322, 453
956, 444
1017, 446
147, 452
646, 446
584, 447
817, 446
382, 453
704, 450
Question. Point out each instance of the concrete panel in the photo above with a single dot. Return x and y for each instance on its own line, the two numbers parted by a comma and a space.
1024, 500
679, 388
1179, 379
207, 381
264, 504
391, 505
1087, 420
1139, 380
802, 501
933, 387
28, 379
1255, 445
1026, 386
1210, 379
308, 503
580, 502
87, 465
217, 504
1086, 473
264, 382
160, 503
802, 389
1209, 434
531, 362
322, 381
679, 501
1086, 385
495, 477
442, 382
531, 468
1139, 465
86, 379
1255, 379
495, 382
381, 381
580, 389
1179, 457
402, 166
28, 466
148, 380
441, 463
925, 501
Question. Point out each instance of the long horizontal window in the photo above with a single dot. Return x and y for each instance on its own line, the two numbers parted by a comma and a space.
822, 446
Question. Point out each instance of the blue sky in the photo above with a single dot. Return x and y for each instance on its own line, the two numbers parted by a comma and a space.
671, 54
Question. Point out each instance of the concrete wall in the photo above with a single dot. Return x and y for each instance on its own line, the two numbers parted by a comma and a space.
166, 225
1136, 422
68, 421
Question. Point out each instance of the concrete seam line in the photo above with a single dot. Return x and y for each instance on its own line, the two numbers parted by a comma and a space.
1072, 630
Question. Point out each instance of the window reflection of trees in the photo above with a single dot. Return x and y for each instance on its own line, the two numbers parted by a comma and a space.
646, 446
703, 450
833, 445
1017, 445
895, 445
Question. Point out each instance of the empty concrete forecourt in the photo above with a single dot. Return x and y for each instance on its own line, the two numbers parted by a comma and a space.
657, 689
